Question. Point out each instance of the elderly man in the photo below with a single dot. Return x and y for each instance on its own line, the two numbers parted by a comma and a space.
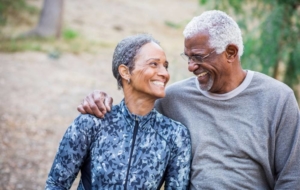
244, 125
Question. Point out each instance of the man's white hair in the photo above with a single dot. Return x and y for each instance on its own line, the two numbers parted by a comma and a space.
222, 29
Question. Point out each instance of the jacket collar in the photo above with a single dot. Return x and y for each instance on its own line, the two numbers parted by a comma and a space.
142, 120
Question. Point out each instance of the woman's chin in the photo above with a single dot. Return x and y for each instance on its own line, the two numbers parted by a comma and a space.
160, 95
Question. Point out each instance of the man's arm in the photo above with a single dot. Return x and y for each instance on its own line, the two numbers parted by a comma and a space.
97, 103
287, 154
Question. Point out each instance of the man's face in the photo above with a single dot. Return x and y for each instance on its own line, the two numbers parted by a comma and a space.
211, 72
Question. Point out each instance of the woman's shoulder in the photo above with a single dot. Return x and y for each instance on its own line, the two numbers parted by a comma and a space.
170, 124
86, 122
89, 120
89, 125
176, 134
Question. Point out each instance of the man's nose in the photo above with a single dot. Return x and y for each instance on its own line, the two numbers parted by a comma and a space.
193, 66
193, 61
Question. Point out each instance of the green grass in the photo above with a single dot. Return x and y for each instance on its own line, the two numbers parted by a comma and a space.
72, 44
16, 9
173, 25
70, 34
17, 17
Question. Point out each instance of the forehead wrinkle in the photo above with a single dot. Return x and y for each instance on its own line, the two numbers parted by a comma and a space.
196, 52
156, 59
153, 59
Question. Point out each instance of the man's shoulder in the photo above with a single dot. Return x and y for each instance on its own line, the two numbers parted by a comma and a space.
269, 83
181, 83
175, 93
181, 87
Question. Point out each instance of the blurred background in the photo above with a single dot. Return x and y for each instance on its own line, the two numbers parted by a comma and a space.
55, 52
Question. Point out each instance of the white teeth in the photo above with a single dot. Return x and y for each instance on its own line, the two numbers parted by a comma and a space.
202, 74
159, 83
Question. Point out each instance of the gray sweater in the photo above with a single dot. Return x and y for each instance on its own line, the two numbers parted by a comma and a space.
248, 138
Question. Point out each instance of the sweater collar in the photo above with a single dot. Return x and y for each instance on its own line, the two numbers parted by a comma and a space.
230, 94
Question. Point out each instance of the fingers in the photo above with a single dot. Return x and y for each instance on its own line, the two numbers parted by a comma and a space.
93, 105
108, 103
96, 103
102, 101
81, 109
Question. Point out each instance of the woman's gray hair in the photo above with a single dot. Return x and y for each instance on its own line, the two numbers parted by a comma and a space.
126, 51
222, 29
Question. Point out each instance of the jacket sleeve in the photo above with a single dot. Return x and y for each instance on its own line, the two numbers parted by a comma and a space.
178, 170
71, 153
287, 153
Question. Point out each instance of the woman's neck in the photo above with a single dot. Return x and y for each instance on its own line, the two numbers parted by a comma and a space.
139, 106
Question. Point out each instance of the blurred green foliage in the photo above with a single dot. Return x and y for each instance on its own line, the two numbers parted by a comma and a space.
70, 34
15, 8
271, 31
48, 45
17, 12
173, 25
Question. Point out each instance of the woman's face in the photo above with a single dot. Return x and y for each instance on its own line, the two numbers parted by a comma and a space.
150, 75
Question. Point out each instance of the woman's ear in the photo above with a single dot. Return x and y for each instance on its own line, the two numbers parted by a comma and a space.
231, 52
124, 72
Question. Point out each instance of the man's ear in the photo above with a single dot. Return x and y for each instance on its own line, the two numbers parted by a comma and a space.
231, 52
124, 72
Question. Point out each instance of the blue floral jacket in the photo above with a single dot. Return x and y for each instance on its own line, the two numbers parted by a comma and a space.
123, 151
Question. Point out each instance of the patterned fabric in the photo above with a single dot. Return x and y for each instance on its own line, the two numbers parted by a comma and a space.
100, 149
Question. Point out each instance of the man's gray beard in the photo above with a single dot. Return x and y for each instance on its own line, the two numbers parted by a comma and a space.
208, 85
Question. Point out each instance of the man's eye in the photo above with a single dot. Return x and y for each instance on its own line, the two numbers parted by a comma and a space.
198, 57
153, 64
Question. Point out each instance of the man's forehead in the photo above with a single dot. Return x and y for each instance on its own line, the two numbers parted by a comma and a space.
197, 44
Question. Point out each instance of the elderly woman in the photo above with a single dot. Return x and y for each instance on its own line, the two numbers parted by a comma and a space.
134, 146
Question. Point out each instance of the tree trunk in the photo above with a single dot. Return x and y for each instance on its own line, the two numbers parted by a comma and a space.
50, 22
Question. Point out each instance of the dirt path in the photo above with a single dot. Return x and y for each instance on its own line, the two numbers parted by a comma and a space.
39, 95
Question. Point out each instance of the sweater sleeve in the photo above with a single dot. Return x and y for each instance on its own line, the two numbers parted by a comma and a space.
178, 171
287, 153
71, 153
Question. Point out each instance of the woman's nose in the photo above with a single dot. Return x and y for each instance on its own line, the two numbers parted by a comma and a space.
162, 70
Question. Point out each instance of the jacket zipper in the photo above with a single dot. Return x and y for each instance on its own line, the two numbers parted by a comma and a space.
135, 130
